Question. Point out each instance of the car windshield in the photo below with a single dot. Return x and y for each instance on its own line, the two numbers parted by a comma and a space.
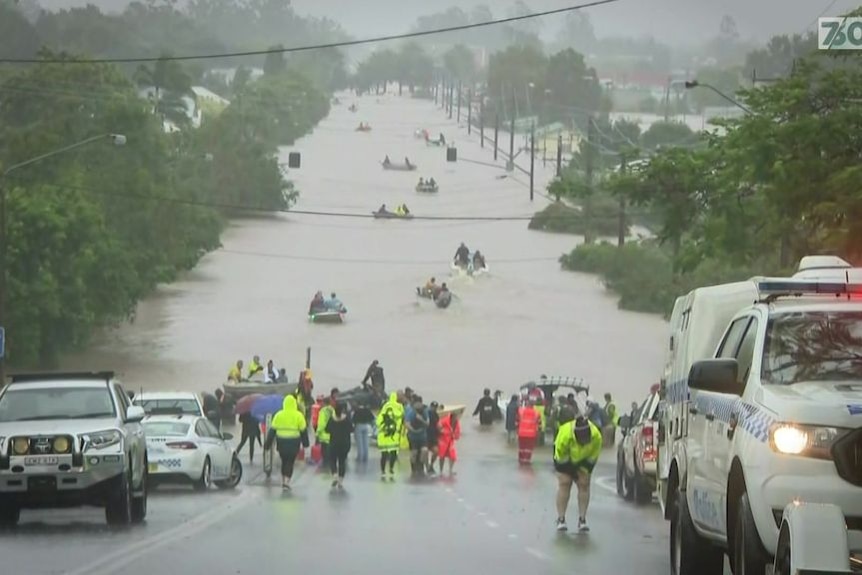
813, 346
184, 406
22, 404
166, 429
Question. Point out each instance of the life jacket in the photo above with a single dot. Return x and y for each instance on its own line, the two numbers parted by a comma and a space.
528, 422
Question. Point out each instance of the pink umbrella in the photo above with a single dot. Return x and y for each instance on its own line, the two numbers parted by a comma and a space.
244, 404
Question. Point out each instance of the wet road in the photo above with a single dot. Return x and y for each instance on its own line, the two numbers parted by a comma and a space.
251, 297
492, 517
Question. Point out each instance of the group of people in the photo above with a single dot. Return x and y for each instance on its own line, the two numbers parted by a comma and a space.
430, 182
400, 210
439, 293
465, 260
321, 304
363, 127
269, 373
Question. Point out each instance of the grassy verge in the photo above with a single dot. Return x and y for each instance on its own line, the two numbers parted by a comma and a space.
563, 219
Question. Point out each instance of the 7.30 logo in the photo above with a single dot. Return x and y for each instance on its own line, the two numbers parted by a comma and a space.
839, 34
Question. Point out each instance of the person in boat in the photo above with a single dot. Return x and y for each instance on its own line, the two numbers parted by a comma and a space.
374, 374
405, 209
406, 161
432, 184
235, 373
478, 261
399, 210
462, 255
317, 304
255, 367
444, 297
442, 139
421, 182
386, 161
382, 209
431, 287
333, 303
271, 373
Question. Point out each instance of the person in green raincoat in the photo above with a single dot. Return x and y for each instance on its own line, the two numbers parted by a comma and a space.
390, 423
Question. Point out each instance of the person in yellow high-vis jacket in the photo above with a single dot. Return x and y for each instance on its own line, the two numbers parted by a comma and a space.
576, 452
288, 425
320, 432
390, 423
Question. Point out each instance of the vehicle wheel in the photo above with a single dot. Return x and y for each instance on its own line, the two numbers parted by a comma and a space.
9, 516
118, 510
641, 492
749, 557
691, 554
235, 475
628, 487
205, 480
782, 553
139, 502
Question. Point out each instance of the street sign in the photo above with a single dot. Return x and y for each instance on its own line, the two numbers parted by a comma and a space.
2, 342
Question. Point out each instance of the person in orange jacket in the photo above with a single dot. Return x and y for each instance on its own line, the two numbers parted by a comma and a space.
450, 432
528, 431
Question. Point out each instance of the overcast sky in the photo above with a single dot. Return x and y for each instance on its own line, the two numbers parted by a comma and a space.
672, 21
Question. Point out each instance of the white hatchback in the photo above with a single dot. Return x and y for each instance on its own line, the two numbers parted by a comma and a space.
189, 449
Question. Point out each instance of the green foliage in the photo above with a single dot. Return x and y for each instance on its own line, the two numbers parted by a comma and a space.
460, 62
726, 80
411, 65
560, 218
668, 134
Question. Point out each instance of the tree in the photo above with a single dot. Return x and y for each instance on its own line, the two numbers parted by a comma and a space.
171, 86
577, 32
18, 38
778, 57
460, 62
571, 86
414, 66
726, 80
510, 74
275, 64
668, 134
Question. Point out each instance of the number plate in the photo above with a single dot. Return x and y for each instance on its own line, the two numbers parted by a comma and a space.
153, 467
41, 460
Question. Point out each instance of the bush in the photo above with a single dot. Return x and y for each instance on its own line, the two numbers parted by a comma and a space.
563, 219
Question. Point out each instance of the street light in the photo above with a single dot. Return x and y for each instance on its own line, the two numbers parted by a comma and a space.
689, 84
116, 139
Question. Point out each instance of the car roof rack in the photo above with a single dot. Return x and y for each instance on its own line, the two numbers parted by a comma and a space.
559, 381
770, 289
107, 376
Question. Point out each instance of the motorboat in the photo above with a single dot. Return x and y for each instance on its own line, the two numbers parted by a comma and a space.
426, 188
439, 142
469, 270
363, 128
421, 134
387, 215
424, 293
327, 316
405, 167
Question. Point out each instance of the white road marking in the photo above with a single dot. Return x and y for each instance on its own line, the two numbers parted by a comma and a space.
607, 483
126, 554
536, 553
492, 524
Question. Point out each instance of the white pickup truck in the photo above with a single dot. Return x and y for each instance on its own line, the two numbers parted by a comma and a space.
763, 391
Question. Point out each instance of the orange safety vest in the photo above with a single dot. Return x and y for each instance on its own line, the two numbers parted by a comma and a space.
528, 422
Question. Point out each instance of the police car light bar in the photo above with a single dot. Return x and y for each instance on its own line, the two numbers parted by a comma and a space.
770, 289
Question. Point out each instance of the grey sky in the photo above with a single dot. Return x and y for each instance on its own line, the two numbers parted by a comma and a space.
672, 21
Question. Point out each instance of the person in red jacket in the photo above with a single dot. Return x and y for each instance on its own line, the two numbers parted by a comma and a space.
450, 432
528, 431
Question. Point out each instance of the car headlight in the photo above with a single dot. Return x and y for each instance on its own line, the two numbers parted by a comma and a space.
102, 439
20, 446
805, 440
61, 444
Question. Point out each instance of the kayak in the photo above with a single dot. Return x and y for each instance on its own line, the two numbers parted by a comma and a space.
427, 188
330, 316
398, 167
436, 143
392, 216
237, 390
424, 292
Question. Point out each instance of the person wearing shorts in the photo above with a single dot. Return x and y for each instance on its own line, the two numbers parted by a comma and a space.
576, 452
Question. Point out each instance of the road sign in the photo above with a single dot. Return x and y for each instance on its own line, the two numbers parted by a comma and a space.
839, 33
2, 342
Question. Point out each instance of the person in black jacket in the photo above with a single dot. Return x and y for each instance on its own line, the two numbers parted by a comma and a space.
433, 435
512, 418
250, 433
485, 409
340, 428
375, 374
363, 421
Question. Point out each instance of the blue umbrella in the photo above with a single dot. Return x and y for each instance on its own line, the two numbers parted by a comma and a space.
266, 405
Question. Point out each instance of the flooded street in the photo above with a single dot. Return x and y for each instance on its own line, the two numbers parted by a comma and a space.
251, 297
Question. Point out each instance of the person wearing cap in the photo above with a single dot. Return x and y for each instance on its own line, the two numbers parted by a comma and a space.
576, 451
485, 409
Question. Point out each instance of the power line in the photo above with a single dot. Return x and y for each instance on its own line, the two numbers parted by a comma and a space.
340, 44
502, 261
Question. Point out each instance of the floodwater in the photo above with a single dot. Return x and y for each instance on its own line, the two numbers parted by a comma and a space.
527, 317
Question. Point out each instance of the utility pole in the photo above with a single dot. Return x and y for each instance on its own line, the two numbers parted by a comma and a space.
435, 93
469, 112
459, 103
482, 121
496, 133
588, 168
451, 95
512, 131
532, 156
621, 231
559, 154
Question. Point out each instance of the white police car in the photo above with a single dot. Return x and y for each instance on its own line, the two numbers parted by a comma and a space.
189, 449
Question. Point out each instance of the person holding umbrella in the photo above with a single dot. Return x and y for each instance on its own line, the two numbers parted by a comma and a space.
250, 433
